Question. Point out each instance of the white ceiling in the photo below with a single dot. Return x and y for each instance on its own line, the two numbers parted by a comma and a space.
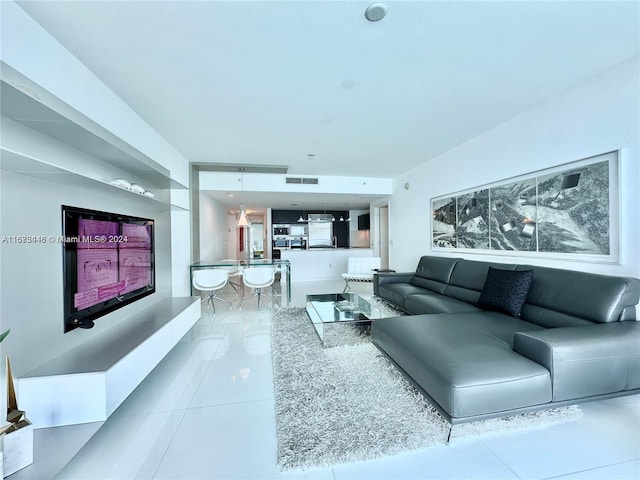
269, 82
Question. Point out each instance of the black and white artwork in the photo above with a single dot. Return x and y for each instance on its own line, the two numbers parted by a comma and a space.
472, 224
565, 210
513, 216
444, 222
573, 211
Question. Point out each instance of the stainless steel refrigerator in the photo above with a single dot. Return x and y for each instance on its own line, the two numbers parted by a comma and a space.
320, 230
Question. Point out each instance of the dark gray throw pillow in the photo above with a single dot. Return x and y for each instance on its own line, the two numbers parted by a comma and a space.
505, 290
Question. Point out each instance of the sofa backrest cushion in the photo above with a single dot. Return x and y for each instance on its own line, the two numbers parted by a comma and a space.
433, 273
468, 277
505, 290
564, 298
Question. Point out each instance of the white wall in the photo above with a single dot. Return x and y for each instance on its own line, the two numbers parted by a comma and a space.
31, 298
34, 53
213, 229
29, 53
268, 182
31, 275
180, 253
595, 117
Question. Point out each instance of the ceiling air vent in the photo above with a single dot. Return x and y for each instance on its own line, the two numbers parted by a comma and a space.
306, 181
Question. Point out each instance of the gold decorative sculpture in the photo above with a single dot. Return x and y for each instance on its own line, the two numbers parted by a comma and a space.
15, 416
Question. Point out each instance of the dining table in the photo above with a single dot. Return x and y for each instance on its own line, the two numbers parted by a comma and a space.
237, 265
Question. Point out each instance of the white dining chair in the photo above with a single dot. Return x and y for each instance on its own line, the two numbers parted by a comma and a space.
211, 281
234, 271
258, 278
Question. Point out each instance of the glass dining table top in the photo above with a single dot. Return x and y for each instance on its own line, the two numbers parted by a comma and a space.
284, 266
243, 262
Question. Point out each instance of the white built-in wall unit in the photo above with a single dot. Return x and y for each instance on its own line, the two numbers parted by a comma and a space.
65, 136
594, 117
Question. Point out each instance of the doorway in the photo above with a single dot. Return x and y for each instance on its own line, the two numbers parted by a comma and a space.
256, 240
383, 235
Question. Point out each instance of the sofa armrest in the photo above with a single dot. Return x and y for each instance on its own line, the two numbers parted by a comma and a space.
586, 360
381, 278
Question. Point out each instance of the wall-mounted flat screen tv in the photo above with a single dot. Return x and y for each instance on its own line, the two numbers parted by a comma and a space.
364, 221
108, 262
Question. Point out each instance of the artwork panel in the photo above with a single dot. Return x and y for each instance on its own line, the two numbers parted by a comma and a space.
135, 269
96, 268
136, 236
97, 234
574, 210
472, 228
513, 216
444, 222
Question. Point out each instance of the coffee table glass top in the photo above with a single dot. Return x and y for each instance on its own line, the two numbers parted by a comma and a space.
340, 307
333, 309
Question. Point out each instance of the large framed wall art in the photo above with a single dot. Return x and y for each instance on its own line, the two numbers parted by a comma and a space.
570, 211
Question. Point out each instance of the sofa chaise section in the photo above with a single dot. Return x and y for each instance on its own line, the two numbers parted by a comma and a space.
573, 339
484, 375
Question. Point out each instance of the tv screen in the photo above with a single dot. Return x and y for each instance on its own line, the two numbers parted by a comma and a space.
108, 262
364, 221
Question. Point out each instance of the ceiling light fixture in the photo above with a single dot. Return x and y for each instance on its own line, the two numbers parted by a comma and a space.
243, 220
375, 12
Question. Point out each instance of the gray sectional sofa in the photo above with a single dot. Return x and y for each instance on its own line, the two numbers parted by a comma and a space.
478, 353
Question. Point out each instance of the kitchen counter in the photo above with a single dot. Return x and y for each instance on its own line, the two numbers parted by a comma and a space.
321, 263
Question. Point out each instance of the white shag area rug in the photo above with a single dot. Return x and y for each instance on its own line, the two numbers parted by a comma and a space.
349, 403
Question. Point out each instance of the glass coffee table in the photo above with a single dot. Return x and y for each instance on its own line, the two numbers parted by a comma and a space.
345, 318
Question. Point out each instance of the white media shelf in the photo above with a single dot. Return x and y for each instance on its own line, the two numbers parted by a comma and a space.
25, 165
27, 103
87, 383
35, 168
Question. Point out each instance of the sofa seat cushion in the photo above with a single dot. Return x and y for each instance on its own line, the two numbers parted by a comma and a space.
497, 324
430, 302
397, 293
467, 371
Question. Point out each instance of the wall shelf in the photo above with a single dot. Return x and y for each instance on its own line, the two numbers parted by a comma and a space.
78, 131
35, 168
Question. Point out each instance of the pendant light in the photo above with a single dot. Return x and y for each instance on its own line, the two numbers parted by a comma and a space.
243, 220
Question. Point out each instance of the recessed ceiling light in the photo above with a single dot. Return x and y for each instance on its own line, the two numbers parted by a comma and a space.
375, 12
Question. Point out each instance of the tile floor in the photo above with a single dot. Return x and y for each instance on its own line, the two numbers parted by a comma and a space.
207, 412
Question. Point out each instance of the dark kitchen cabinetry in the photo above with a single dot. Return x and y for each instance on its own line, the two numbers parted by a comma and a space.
285, 217
340, 228
341, 232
